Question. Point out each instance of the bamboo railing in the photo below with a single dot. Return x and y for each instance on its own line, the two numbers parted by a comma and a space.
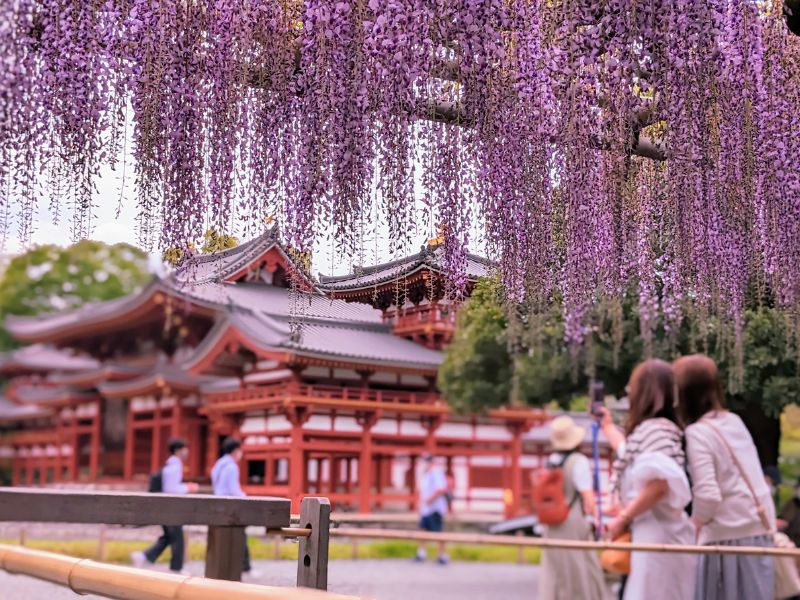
537, 542
84, 576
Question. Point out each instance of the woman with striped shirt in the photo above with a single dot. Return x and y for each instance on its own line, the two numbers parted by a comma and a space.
653, 486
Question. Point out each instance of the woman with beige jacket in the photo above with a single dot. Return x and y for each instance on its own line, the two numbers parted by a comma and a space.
731, 502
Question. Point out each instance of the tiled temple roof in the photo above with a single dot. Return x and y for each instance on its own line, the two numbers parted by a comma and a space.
323, 338
219, 266
428, 258
330, 329
164, 376
42, 358
12, 411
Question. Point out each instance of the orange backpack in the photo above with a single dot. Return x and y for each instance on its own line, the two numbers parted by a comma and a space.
549, 502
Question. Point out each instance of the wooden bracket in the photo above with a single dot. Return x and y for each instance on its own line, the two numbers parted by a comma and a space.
312, 557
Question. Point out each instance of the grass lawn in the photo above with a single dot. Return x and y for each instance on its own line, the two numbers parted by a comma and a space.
118, 551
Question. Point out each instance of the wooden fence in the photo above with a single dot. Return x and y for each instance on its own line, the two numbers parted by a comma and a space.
226, 519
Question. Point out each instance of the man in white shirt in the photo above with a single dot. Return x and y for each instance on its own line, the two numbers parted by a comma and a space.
226, 479
171, 483
433, 490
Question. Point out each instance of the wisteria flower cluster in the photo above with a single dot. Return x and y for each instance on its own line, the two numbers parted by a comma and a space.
608, 146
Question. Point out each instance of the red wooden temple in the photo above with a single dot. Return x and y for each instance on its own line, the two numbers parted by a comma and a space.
332, 390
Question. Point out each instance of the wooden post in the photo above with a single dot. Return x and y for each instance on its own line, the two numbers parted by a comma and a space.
101, 543
312, 557
225, 553
277, 547
354, 548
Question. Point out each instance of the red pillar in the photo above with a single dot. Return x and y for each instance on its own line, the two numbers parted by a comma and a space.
516, 470
155, 448
57, 469
378, 481
269, 470
367, 421
348, 483
176, 418
333, 474
130, 442
94, 453
296, 466
75, 458
412, 484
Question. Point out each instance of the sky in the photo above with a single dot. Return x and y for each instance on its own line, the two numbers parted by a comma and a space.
114, 221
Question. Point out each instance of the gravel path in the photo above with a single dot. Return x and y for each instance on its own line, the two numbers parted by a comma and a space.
380, 579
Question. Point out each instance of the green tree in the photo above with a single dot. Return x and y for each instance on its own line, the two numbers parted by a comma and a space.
50, 278
214, 241
771, 378
476, 372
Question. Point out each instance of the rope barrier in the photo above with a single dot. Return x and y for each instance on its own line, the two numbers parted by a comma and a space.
536, 542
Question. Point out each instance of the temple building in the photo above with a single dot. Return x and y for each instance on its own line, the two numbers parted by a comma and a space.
330, 382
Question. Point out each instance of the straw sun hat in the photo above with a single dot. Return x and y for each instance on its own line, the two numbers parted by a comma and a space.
565, 434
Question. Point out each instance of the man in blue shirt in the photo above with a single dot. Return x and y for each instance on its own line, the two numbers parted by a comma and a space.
433, 503
226, 480
171, 483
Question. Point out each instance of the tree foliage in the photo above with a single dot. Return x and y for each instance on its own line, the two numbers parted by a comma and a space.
213, 241
480, 370
476, 373
50, 278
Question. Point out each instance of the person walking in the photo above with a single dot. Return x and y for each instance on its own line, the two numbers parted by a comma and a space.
790, 516
653, 486
732, 504
433, 489
171, 483
571, 574
226, 479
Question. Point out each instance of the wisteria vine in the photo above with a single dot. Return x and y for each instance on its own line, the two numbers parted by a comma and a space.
645, 145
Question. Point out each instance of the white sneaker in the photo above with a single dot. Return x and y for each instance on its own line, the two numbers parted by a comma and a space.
139, 560
252, 574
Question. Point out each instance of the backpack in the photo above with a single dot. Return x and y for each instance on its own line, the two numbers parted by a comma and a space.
156, 484
549, 502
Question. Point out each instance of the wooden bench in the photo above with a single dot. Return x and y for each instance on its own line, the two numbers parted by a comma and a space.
226, 519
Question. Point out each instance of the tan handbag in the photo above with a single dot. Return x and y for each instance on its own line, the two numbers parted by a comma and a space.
787, 579
617, 561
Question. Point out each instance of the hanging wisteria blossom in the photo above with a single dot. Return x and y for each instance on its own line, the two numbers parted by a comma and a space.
646, 145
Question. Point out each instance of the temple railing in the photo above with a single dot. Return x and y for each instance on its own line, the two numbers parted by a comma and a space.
413, 320
226, 519
276, 394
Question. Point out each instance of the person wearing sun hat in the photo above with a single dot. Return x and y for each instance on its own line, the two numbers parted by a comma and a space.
571, 574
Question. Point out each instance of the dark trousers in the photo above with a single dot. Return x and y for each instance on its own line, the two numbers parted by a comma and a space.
173, 537
246, 563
